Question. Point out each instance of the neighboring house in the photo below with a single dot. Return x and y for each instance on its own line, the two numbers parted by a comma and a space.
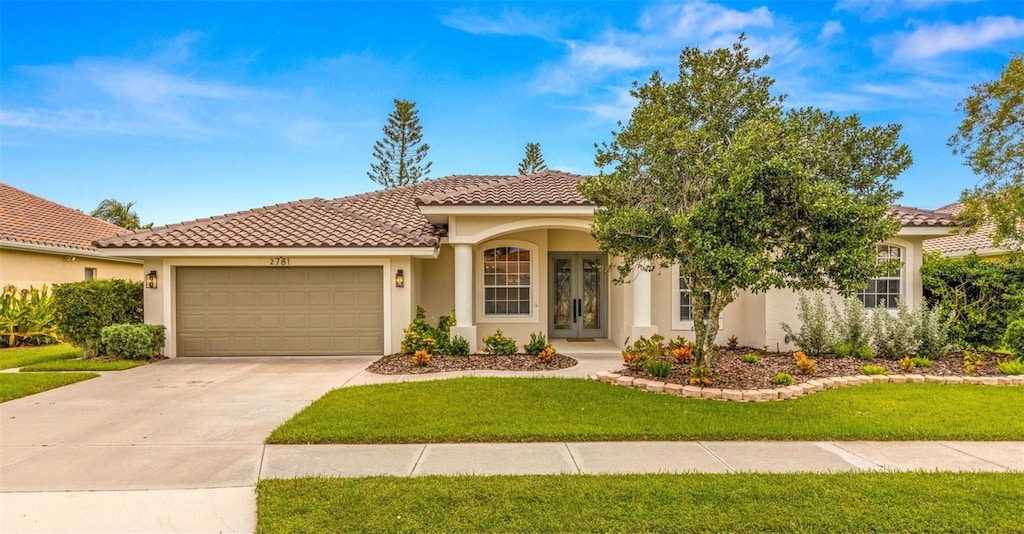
955, 244
44, 243
345, 276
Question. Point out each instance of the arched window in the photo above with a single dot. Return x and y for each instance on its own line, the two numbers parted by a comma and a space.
885, 291
507, 281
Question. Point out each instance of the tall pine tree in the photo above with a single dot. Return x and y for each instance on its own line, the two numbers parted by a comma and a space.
401, 153
533, 161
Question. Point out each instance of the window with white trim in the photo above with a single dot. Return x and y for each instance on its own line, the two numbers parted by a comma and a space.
90, 273
507, 281
885, 291
686, 302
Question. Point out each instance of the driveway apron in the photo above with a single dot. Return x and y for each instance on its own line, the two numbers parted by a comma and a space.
180, 424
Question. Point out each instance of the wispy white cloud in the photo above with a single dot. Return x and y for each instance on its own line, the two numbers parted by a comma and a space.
830, 30
620, 55
929, 41
509, 22
878, 9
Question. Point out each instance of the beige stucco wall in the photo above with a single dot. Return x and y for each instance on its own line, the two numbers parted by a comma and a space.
23, 268
435, 284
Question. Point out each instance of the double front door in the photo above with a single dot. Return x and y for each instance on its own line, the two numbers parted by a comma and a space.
577, 295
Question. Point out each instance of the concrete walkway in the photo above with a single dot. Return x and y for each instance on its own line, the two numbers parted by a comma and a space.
290, 461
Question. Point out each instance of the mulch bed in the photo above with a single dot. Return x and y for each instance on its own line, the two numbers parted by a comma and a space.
732, 373
401, 364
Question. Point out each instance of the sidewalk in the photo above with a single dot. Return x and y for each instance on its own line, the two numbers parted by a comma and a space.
290, 461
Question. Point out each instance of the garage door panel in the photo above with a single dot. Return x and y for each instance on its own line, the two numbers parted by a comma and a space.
225, 311
293, 298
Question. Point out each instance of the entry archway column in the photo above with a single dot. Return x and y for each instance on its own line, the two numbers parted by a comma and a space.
464, 325
641, 286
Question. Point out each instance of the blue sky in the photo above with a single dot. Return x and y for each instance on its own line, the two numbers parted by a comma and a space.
196, 109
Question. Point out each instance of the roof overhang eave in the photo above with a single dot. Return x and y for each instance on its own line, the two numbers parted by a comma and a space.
68, 251
924, 231
208, 252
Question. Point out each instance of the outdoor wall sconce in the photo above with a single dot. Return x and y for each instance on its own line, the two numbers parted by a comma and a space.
151, 279
400, 278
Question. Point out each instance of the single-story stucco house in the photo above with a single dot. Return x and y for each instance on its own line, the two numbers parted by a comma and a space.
45, 243
344, 276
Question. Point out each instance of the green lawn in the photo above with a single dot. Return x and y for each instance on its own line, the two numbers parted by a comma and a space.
22, 356
83, 365
17, 385
553, 409
857, 502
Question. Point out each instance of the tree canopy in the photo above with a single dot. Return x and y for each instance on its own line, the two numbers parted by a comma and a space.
533, 161
711, 173
400, 154
991, 139
119, 213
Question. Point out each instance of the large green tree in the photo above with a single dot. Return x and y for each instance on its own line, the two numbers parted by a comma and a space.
991, 139
713, 174
119, 213
533, 160
400, 154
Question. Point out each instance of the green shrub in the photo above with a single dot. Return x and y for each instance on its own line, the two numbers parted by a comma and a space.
874, 370
458, 346
538, 342
783, 379
931, 332
27, 317
644, 349
499, 345
132, 341
815, 336
861, 350
84, 308
982, 297
1011, 367
921, 362
852, 325
659, 367
1013, 339
894, 334
420, 335
750, 357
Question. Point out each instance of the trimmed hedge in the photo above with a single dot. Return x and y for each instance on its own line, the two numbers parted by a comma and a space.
84, 308
982, 296
133, 341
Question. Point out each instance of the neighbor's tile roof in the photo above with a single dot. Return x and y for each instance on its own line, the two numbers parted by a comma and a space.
26, 218
386, 218
962, 243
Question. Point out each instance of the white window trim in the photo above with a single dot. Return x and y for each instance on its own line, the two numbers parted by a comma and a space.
902, 276
678, 324
478, 284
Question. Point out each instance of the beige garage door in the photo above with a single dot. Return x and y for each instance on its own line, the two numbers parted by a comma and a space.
268, 311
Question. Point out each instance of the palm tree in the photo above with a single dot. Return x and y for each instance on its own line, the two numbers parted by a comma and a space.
119, 213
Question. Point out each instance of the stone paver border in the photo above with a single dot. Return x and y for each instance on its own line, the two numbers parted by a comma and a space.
796, 390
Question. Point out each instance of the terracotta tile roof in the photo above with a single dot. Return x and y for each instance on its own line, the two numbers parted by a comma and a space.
963, 243
915, 217
386, 218
546, 188
26, 218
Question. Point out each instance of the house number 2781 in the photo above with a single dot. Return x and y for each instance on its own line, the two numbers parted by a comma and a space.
280, 261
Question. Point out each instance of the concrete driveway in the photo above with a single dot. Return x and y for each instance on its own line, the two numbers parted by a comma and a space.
185, 434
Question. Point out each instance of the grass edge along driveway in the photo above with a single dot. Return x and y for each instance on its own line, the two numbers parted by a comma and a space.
559, 409
18, 385
11, 358
859, 502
